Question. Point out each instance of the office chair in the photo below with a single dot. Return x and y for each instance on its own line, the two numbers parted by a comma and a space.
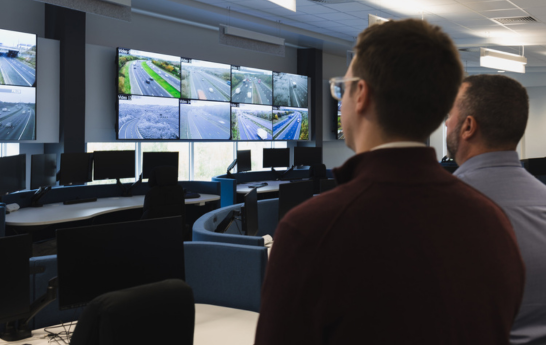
156, 313
317, 172
166, 196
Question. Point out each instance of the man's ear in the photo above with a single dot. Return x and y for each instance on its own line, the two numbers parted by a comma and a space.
470, 128
363, 96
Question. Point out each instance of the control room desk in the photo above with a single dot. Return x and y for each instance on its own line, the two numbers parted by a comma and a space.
213, 325
60, 213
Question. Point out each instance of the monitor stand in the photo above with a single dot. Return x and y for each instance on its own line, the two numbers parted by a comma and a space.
40, 192
22, 331
126, 192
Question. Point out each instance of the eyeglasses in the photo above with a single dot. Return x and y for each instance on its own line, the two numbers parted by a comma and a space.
337, 86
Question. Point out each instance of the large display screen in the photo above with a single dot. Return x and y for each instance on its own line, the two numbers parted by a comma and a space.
251, 122
141, 117
148, 74
206, 80
290, 90
251, 85
17, 113
204, 120
17, 58
290, 123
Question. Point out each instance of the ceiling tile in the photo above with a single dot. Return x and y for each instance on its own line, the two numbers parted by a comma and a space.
305, 18
529, 3
350, 6
443, 9
362, 14
354, 22
316, 9
504, 13
490, 6
336, 16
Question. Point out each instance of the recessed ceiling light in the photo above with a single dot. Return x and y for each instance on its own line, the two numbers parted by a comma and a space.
288, 4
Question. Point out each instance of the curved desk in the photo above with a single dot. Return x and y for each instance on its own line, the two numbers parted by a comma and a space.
272, 186
60, 213
213, 325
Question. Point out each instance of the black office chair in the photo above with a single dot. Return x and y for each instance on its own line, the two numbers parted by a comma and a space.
317, 172
156, 313
166, 196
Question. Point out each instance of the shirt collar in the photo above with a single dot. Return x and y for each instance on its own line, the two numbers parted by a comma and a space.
488, 160
399, 144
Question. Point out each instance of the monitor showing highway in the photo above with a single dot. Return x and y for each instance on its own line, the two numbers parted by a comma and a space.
17, 113
289, 90
251, 85
204, 120
205, 80
148, 74
340, 134
290, 124
251, 122
17, 58
141, 117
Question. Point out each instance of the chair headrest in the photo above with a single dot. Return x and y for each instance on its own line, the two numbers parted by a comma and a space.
164, 176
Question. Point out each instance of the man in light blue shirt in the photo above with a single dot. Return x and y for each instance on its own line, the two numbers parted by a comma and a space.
484, 127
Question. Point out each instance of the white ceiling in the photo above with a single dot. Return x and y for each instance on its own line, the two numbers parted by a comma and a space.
333, 27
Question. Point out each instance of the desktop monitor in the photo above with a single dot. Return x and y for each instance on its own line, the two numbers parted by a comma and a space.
113, 164
249, 213
15, 252
244, 162
12, 174
93, 260
43, 170
276, 158
293, 194
535, 166
75, 168
290, 90
308, 156
151, 160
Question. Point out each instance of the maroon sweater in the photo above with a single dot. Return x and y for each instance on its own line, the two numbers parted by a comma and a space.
401, 252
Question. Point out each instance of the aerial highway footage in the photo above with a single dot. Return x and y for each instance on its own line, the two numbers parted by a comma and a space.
17, 113
205, 80
290, 90
290, 124
251, 122
17, 58
148, 74
143, 117
250, 85
204, 120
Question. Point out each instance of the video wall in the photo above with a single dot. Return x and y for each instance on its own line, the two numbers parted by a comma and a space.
162, 97
17, 85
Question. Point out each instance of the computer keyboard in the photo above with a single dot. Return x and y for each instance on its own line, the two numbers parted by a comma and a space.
258, 185
191, 195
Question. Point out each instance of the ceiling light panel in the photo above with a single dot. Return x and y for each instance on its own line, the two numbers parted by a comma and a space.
490, 6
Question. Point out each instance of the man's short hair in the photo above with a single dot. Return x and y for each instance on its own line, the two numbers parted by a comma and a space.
500, 106
414, 72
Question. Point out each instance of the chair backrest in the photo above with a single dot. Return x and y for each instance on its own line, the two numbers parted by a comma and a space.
157, 313
166, 196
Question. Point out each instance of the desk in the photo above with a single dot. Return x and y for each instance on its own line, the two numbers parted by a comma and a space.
272, 186
213, 325
59, 213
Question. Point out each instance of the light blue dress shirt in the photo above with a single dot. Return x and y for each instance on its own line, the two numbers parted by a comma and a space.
500, 176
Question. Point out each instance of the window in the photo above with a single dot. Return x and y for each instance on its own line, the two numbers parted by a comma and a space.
211, 159
9, 149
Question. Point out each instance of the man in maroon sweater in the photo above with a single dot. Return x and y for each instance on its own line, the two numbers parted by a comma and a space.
401, 252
